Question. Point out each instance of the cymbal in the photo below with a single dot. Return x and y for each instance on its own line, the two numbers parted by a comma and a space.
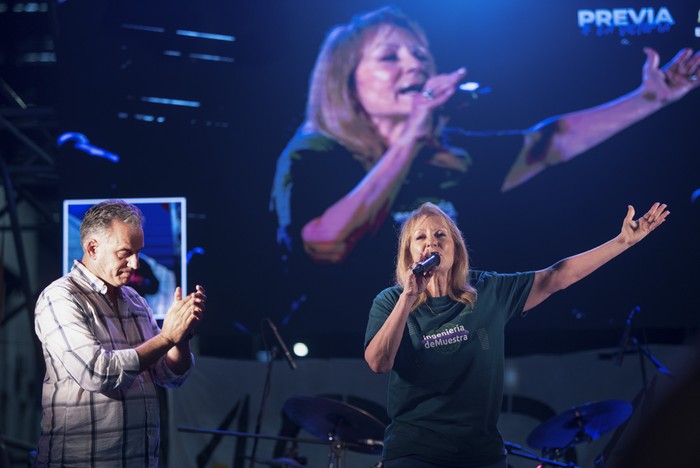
326, 419
580, 424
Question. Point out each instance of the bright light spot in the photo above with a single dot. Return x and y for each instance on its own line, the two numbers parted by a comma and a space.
300, 349
469, 86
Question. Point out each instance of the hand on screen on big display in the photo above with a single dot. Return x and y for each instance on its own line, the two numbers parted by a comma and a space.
675, 79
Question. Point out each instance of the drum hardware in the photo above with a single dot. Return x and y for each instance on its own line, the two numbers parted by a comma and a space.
335, 445
583, 423
344, 426
520, 451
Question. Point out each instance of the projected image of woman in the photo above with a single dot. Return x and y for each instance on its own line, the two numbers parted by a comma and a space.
370, 149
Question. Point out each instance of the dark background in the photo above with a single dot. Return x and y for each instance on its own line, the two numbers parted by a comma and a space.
221, 155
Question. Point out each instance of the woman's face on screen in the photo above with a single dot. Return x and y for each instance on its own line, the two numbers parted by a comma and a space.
393, 68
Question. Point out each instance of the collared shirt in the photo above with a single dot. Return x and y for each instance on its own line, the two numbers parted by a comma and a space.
98, 410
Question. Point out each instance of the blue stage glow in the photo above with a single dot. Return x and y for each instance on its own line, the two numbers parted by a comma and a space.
172, 53
171, 102
193, 252
242, 328
68, 136
97, 152
694, 197
214, 58
142, 27
83, 144
29, 7
203, 35
39, 57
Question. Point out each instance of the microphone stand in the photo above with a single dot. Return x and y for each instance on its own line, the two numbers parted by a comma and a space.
644, 352
263, 400
630, 341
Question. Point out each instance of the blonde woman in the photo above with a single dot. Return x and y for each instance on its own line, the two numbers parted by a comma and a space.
440, 335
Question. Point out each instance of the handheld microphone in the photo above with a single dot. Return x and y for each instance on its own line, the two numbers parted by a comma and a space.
285, 351
625, 338
425, 265
466, 94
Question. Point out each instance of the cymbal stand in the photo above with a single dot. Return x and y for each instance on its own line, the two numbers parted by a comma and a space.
555, 453
550, 455
335, 457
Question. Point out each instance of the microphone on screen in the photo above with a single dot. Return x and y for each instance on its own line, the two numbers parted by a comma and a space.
425, 265
466, 95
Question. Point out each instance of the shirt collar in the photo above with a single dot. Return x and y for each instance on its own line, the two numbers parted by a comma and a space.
95, 283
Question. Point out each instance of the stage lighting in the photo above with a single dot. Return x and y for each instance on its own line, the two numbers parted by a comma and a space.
300, 349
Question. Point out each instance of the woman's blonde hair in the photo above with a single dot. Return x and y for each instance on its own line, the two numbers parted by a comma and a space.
333, 107
459, 288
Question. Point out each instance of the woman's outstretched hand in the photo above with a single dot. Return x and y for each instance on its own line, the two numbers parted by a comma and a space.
635, 230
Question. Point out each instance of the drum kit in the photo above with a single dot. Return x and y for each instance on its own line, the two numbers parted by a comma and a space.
342, 427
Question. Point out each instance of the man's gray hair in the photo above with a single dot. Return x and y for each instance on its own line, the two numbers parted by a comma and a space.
99, 218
